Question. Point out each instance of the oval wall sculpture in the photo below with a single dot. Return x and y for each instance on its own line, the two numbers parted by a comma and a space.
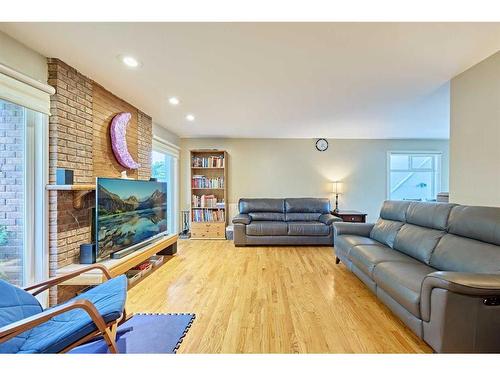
119, 140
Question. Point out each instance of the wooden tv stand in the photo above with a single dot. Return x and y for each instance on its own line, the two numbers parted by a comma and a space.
116, 266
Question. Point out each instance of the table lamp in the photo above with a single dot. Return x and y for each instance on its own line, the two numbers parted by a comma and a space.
337, 190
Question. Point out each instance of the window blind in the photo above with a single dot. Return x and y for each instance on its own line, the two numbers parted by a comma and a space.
25, 91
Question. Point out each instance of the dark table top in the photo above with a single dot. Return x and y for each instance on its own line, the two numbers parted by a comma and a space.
349, 212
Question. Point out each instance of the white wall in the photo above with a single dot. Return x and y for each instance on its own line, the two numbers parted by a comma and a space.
294, 168
23, 59
165, 134
475, 135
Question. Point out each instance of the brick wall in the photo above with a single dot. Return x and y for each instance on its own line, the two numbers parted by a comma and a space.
70, 123
144, 145
72, 138
11, 191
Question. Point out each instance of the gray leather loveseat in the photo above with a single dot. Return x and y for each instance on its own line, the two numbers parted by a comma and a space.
290, 221
436, 266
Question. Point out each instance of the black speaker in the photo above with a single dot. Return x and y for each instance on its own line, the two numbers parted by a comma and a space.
170, 250
64, 176
87, 253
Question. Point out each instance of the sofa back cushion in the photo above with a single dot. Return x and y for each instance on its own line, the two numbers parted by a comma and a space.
424, 227
307, 205
462, 254
429, 215
392, 218
304, 216
479, 223
472, 243
267, 216
248, 205
15, 304
394, 210
417, 242
385, 231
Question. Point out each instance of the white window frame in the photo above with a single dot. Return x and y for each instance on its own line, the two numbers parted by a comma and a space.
36, 257
437, 171
34, 97
166, 147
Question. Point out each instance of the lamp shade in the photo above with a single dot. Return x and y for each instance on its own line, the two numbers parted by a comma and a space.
337, 187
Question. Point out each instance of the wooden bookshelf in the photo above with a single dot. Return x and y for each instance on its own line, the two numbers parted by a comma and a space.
211, 180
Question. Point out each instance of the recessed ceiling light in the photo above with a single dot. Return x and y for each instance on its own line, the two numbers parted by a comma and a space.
190, 117
130, 61
174, 101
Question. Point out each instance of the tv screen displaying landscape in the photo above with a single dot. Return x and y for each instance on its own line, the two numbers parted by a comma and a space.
128, 212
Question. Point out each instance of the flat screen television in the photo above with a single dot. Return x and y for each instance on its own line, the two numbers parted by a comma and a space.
128, 213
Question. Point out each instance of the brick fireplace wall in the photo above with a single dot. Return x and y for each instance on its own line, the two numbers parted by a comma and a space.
144, 145
81, 111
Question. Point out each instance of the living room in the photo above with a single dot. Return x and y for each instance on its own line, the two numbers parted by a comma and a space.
249, 187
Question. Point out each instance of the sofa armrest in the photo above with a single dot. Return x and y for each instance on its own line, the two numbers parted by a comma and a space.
329, 219
242, 219
466, 283
357, 229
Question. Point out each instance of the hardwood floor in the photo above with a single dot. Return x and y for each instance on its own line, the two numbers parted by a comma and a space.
270, 300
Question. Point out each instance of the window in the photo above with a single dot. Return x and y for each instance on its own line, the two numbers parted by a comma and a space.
22, 236
414, 175
164, 167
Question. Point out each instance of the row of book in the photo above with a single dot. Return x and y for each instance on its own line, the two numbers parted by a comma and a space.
208, 162
201, 215
208, 201
207, 183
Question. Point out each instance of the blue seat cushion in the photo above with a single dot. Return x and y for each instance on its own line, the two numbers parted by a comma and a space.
65, 329
15, 304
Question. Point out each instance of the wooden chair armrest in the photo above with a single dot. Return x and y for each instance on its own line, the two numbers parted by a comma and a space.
44, 285
14, 329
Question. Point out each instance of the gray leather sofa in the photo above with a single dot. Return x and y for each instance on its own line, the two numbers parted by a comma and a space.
436, 266
290, 221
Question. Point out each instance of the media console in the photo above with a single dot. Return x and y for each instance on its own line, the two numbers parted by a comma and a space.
165, 245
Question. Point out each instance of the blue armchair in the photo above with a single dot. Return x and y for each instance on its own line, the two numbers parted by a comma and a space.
25, 327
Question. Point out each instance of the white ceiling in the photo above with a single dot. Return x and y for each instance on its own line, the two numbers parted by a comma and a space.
277, 80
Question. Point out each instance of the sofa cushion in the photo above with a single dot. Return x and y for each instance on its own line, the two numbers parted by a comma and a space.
247, 205
429, 215
367, 257
15, 304
307, 205
417, 242
462, 254
267, 228
63, 330
267, 216
308, 228
394, 210
403, 282
345, 242
479, 223
385, 231
303, 216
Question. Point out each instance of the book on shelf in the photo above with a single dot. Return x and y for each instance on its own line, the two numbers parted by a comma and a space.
208, 162
199, 215
206, 201
203, 182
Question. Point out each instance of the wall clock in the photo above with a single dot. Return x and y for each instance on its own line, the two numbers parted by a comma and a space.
321, 144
